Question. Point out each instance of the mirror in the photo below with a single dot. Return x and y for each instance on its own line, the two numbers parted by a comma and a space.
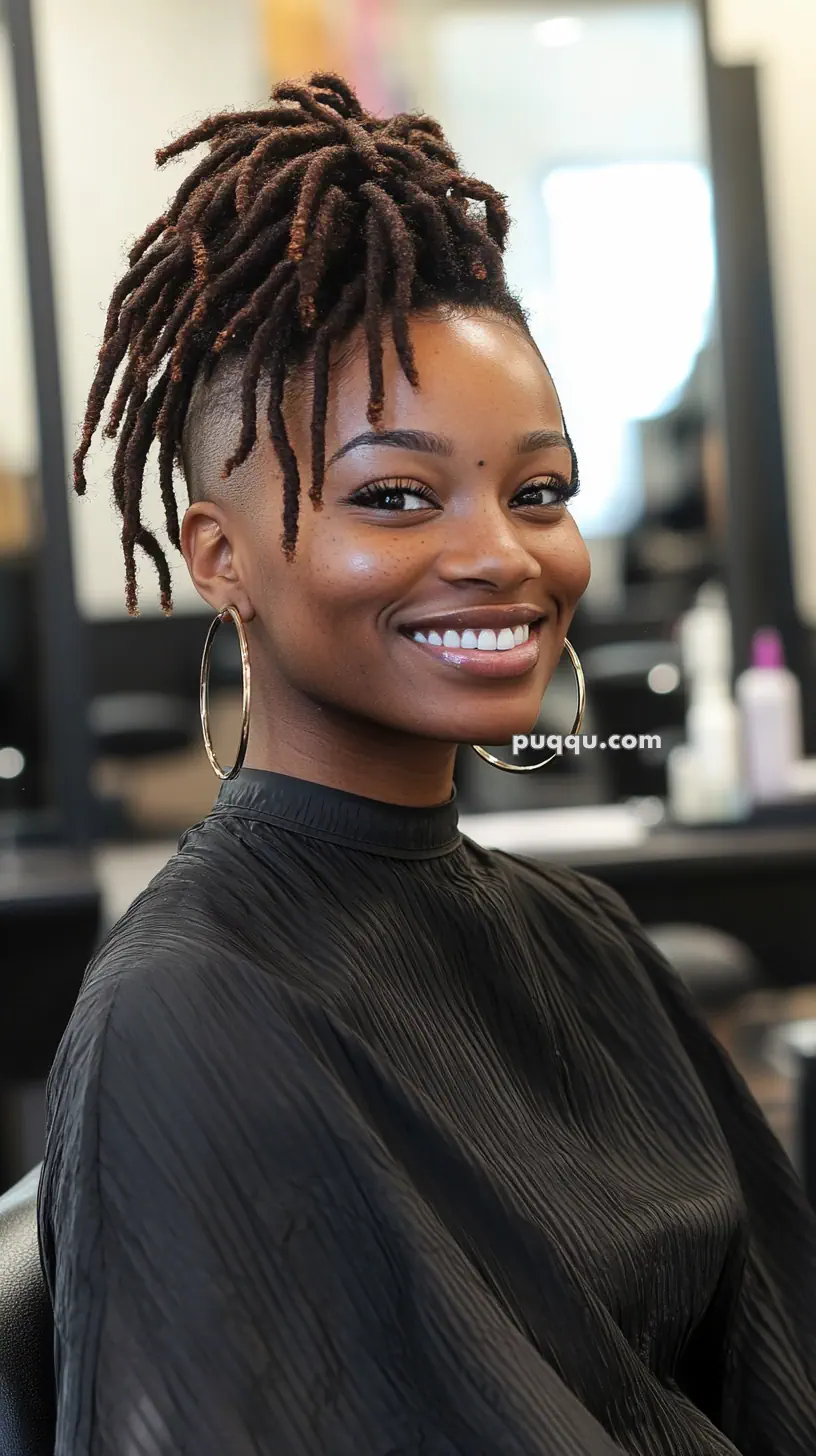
593, 122
22, 766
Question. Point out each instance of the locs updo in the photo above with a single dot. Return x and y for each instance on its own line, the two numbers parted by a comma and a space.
302, 219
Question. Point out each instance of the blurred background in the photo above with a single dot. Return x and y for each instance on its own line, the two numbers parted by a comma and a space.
657, 158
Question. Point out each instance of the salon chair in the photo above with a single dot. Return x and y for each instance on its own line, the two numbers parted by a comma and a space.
717, 968
138, 725
27, 1396
790, 1049
126, 727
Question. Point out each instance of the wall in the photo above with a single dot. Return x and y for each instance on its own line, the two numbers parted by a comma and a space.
117, 80
780, 37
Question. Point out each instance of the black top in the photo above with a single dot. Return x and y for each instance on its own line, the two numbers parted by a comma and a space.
363, 1141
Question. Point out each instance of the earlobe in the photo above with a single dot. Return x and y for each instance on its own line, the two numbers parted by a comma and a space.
209, 553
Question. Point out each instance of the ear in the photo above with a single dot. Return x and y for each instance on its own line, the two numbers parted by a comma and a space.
207, 544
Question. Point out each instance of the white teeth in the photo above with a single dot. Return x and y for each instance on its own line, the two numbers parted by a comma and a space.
485, 641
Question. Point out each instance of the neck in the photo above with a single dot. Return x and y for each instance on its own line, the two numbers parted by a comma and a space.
325, 745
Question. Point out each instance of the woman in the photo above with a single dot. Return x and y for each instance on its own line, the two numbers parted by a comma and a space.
361, 1139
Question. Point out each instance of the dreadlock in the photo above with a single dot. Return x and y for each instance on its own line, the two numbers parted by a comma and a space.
304, 219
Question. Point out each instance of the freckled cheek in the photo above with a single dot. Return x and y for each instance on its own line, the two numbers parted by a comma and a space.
354, 581
566, 563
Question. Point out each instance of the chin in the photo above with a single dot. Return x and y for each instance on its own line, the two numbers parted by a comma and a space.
485, 728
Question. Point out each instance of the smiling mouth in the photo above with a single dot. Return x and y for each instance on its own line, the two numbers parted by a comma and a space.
484, 639
500, 652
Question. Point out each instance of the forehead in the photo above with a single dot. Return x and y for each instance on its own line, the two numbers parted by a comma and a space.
482, 383
479, 376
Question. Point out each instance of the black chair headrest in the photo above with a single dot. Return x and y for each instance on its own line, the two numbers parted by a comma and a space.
27, 1403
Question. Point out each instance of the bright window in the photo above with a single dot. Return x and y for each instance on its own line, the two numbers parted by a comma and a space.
625, 309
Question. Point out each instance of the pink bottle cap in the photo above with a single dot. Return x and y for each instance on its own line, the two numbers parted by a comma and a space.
767, 649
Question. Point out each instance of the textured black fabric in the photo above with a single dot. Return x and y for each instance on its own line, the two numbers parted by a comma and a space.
363, 1141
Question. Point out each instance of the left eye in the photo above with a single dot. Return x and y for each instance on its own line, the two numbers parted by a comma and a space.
551, 492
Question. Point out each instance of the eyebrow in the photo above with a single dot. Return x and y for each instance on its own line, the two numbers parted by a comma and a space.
542, 440
396, 440
429, 444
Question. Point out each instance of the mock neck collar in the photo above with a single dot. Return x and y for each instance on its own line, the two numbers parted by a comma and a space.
339, 817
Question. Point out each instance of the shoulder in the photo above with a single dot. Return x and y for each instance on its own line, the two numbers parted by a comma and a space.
174, 1016
173, 998
177, 1104
591, 929
162, 1069
564, 893
171, 933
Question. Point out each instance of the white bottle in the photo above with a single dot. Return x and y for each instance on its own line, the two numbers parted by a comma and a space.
770, 704
687, 788
713, 736
705, 639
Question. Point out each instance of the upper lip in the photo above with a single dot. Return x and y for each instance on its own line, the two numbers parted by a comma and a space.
506, 615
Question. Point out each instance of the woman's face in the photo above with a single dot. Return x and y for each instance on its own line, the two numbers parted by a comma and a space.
452, 518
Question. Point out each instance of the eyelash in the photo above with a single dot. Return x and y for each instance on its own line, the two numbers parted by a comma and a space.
369, 495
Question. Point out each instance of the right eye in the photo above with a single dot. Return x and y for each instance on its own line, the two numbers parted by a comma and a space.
394, 495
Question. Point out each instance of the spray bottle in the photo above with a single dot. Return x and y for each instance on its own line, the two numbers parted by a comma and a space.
770, 706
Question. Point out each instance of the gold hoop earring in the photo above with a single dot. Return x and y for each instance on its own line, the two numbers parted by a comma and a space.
204, 692
576, 727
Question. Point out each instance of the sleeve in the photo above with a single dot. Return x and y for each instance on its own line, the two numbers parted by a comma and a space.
769, 1403
233, 1270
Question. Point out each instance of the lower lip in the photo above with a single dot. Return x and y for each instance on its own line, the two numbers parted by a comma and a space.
513, 662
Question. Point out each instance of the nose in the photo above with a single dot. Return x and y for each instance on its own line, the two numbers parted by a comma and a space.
484, 548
